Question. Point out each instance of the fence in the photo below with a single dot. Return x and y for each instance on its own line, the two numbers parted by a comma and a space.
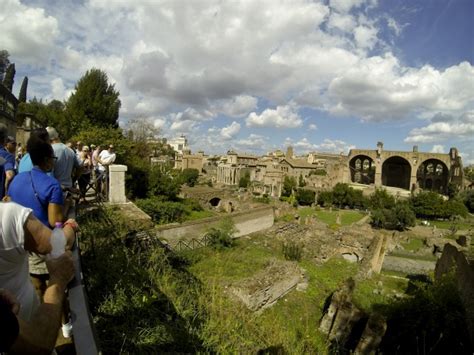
193, 243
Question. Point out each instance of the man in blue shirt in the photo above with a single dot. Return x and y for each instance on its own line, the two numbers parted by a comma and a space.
66, 161
7, 169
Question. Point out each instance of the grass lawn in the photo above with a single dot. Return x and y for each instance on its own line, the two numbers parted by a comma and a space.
413, 244
461, 225
329, 217
200, 214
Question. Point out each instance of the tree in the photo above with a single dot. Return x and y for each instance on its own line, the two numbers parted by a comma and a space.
381, 199
95, 100
468, 198
4, 62
301, 182
189, 176
23, 89
9, 78
305, 197
289, 185
427, 204
244, 180
141, 129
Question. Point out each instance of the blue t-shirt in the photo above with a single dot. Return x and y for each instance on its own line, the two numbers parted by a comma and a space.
22, 191
25, 163
66, 161
8, 165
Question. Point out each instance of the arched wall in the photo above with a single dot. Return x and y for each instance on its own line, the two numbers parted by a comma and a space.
362, 169
396, 172
433, 174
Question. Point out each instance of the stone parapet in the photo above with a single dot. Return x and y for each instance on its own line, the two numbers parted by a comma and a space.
117, 183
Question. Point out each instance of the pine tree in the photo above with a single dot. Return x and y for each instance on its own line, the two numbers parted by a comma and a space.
95, 100
24, 86
9, 77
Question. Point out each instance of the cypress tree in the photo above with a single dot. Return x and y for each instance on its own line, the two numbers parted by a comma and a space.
24, 86
9, 77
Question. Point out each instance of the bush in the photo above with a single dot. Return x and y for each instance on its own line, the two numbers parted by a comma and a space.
468, 199
427, 204
289, 185
221, 237
244, 180
305, 197
319, 172
163, 212
454, 208
325, 198
189, 176
292, 251
399, 218
381, 199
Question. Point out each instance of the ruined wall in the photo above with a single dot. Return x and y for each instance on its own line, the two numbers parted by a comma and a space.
454, 260
246, 222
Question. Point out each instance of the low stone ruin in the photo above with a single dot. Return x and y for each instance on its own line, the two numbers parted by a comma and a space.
270, 284
453, 260
347, 327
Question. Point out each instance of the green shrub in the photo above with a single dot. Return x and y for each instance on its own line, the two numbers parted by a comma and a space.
305, 197
189, 176
289, 185
244, 180
427, 204
381, 199
400, 217
468, 199
292, 251
222, 236
325, 198
163, 212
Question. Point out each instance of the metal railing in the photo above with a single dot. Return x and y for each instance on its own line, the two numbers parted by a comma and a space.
193, 243
85, 338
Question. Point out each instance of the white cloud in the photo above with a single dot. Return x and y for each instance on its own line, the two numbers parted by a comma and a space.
27, 32
460, 128
281, 117
254, 142
229, 132
343, 22
437, 148
183, 127
304, 146
345, 5
365, 36
312, 127
379, 88
238, 106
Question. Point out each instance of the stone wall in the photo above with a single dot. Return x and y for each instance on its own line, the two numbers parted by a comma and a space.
454, 260
246, 222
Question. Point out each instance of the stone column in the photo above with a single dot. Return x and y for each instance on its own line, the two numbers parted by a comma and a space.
117, 183
378, 172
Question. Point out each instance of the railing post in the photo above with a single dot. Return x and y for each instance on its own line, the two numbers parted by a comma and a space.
117, 183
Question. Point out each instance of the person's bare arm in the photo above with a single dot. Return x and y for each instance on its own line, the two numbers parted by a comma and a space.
37, 236
9, 175
40, 333
55, 214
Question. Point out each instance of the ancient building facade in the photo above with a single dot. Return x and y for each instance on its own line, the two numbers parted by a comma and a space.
8, 108
407, 170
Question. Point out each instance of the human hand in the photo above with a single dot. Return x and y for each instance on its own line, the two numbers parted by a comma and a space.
61, 270
71, 223
9, 298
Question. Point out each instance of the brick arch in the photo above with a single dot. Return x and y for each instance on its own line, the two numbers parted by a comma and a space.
396, 172
433, 174
362, 169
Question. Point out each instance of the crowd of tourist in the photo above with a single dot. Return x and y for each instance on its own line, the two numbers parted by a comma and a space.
36, 186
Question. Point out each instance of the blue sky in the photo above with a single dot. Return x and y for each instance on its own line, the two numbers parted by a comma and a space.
256, 76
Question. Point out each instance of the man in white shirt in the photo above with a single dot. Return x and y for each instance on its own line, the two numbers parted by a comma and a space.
106, 158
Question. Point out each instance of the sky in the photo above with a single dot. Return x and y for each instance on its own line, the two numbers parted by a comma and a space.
255, 76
